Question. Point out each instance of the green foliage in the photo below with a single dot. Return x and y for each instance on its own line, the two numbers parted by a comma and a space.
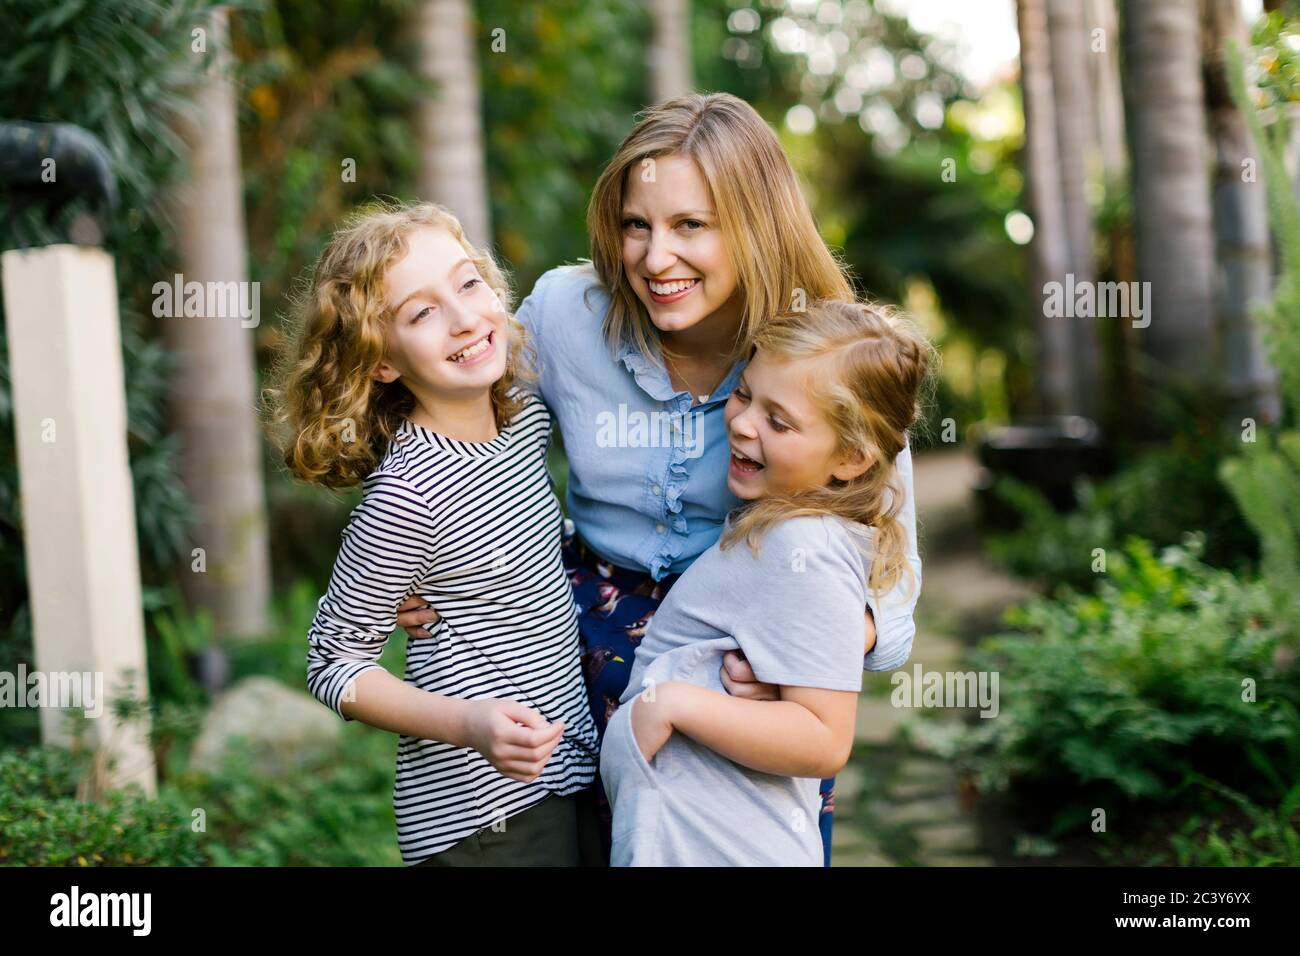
556, 103
121, 69
1139, 501
324, 82
1276, 38
1265, 480
1121, 698
337, 814
42, 823
1265, 838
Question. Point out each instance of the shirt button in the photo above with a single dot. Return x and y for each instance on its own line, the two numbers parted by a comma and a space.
660, 529
656, 490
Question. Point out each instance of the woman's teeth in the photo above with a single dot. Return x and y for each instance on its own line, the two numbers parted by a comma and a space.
478, 348
671, 288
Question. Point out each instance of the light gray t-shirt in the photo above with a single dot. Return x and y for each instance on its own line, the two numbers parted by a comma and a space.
796, 610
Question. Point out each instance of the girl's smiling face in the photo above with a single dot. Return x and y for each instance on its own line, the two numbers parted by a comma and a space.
674, 252
447, 338
781, 441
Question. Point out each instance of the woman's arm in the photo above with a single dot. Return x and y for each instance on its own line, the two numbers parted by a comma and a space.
895, 623
808, 733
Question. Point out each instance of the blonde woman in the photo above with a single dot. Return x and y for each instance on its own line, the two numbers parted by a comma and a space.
699, 234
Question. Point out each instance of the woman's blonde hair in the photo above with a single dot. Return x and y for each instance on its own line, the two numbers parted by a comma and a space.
330, 417
779, 257
874, 369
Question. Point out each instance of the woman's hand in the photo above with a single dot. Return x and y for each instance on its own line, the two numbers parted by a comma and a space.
515, 739
739, 680
652, 720
413, 614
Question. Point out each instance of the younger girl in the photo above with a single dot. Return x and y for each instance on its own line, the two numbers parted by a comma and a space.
403, 374
694, 775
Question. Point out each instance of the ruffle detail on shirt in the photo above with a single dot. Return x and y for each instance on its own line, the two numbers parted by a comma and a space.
652, 377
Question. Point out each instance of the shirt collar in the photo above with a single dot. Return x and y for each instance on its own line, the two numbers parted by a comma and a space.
654, 381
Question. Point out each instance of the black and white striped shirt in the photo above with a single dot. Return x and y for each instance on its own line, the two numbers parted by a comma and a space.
474, 528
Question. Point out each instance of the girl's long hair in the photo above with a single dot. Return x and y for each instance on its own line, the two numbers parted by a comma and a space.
330, 417
779, 257
870, 388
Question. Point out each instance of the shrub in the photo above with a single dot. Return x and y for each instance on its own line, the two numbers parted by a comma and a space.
1117, 699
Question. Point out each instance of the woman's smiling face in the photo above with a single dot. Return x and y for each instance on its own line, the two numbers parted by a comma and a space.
781, 441
447, 337
674, 253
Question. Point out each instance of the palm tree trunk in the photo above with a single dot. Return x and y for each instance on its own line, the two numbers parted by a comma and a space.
213, 394
1049, 251
453, 170
1075, 143
1107, 95
1241, 228
1171, 188
670, 50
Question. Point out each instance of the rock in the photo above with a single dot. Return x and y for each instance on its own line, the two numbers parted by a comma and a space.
283, 729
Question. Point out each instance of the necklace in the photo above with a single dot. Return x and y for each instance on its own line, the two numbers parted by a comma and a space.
701, 396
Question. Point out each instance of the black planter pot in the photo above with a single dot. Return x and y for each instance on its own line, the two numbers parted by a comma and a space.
1047, 453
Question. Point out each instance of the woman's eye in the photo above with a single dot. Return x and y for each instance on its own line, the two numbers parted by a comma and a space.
634, 223
693, 224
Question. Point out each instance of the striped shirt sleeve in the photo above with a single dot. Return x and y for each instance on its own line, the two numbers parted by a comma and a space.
387, 552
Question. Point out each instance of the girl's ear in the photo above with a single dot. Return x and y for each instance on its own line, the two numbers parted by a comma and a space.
855, 463
386, 373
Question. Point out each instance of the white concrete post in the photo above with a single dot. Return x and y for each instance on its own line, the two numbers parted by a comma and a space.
78, 511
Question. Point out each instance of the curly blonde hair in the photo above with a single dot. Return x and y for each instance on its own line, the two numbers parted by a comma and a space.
876, 368
329, 416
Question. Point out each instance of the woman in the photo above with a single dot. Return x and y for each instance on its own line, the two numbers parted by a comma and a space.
698, 233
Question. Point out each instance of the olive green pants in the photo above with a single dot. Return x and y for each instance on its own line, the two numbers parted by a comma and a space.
559, 831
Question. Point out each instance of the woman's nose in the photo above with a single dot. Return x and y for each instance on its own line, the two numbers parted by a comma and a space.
660, 255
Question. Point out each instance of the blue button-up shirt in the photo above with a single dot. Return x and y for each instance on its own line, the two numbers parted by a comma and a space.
647, 467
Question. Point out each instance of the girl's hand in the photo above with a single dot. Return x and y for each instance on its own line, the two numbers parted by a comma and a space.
652, 721
413, 614
493, 728
739, 680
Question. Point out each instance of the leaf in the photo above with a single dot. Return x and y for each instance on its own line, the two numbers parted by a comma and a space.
59, 62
